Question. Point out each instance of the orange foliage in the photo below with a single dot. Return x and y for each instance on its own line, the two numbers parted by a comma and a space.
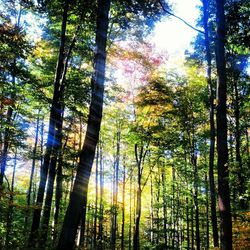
241, 232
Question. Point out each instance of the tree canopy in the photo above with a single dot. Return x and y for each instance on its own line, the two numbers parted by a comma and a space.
103, 145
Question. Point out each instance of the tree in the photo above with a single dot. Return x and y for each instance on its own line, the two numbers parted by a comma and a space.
221, 115
14, 48
212, 124
55, 121
78, 198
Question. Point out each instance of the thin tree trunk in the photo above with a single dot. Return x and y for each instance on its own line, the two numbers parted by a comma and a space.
139, 159
123, 206
58, 196
222, 149
115, 192
173, 222
101, 179
58, 134
151, 210
192, 226
187, 218
196, 203
207, 213
6, 143
157, 207
178, 230
212, 127
130, 211
96, 196
32, 167
10, 207
55, 118
238, 145
247, 145
136, 240
33, 160
59, 181
164, 191
78, 198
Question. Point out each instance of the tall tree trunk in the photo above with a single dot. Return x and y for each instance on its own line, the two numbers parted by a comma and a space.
173, 214
222, 149
192, 226
196, 203
33, 160
151, 210
96, 196
32, 167
187, 218
115, 192
207, 213
55, 118
164, 191
10, 207
123, 206
136, 239
6, 143
177, 230
212, 126
101, 208
130, 211
59, 182
58, 196
58, 136
78, 198
139, 155
238, 145
157, 207
82, 233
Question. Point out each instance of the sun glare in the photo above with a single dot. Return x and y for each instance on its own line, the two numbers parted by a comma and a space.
172, 34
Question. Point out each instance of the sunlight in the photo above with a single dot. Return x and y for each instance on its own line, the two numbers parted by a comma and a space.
173, 35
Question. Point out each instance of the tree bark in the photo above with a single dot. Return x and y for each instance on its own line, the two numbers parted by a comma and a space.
33, 160
123, 206
151, 210
101, 208
115, 192
212, 126
164, 191
96, 196
78, 198
58, 196
139, 155
196, 203
130, 211
238, 145
10, 205
187, 218
207, 212
55, 118
192, 226
222, 149
136, 240
6, 143
32, 168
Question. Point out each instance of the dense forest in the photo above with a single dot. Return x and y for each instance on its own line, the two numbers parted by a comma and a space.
104, 147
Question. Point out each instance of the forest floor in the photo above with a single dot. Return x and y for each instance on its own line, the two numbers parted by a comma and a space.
241, 232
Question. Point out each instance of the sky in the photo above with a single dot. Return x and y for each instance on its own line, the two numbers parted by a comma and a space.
173, 35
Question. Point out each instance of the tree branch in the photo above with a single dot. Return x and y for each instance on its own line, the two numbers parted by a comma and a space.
179, 18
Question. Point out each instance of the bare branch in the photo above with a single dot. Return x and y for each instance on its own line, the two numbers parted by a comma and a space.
179, 18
